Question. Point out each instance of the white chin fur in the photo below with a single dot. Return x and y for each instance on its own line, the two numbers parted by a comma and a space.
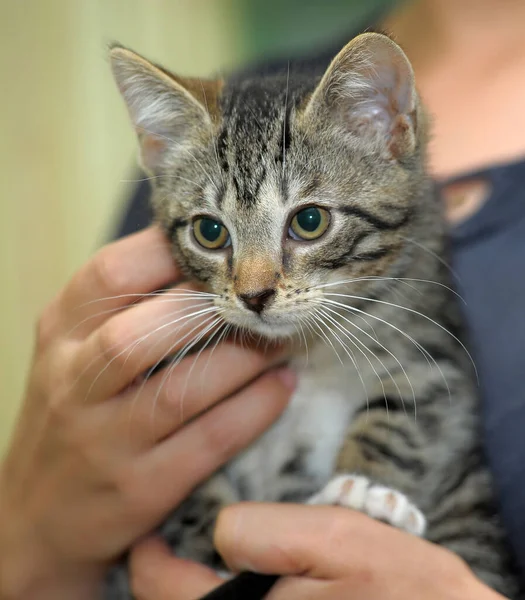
264, 326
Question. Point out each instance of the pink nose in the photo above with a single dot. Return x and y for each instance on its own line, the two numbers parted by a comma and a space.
257, 301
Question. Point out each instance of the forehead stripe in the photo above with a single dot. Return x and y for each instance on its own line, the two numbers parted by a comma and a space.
376, 221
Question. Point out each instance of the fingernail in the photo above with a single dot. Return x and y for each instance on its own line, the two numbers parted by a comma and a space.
288, 377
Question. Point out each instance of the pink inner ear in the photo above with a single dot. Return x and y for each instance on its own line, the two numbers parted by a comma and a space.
152, 148
391, 76
373, 111
378, 115
382, 104
386, 83
402, 137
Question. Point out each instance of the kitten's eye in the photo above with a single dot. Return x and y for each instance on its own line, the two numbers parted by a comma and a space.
309, 223
211, 234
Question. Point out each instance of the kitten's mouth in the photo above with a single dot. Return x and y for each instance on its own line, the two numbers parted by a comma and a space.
269, 326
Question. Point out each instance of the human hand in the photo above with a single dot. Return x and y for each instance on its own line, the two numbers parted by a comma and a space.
322, 552
99, 457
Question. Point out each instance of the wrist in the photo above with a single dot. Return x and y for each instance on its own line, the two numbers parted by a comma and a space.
46, 587
31, 571
27, 574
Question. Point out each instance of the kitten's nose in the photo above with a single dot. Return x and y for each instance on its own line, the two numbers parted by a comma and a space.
257, 301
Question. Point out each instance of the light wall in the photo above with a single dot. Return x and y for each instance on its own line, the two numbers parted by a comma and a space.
66, 145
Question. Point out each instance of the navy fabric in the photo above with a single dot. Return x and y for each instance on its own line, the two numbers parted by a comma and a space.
488, 255
138, 213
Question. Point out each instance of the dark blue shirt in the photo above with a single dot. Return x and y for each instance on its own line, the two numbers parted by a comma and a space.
489, 259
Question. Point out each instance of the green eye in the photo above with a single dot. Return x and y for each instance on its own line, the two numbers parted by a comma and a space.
309, 223
210, 234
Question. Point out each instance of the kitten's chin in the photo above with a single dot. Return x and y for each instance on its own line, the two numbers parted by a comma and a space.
264, 326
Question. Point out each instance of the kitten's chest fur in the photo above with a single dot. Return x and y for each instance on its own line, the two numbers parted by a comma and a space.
297, 454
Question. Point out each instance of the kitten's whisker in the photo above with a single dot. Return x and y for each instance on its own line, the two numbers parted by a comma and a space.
375, 340
215, 144
169, 369
354, 311
412, 311
128, 306
298, 333
222, 326
182, 354
349, 336
211, 314
196, 357
434, 254
429, 358
242, 336
304, 338
368, 324
351, 356
284, 120
389, 352
172, 332
307, 323
323, 335
385, 349
162, 177
257, 122
383, 278
182, 292
227, 328
134, 344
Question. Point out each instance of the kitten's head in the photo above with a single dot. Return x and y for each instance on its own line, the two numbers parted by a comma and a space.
270, 188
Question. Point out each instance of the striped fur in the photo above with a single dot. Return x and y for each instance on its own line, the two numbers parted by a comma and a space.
387, 389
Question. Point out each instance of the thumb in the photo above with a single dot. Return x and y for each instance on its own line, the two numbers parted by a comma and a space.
324, 542
286, 539
158, 575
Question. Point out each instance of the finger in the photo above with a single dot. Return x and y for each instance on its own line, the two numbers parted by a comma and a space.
158, 575
323, 542
205, 444
132, 342
156, 408
117, 276
393, 584
306, 588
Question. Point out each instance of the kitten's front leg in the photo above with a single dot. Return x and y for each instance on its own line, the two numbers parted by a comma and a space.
379, 471
189, 529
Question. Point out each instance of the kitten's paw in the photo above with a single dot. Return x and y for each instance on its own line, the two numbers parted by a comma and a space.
377, 501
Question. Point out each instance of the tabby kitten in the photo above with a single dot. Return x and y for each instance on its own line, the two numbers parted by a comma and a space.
301, 201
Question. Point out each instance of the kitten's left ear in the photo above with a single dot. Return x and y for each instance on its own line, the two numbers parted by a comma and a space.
369, 91
167, 111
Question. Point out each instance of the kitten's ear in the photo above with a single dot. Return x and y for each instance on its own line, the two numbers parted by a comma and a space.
369, 91
166, 110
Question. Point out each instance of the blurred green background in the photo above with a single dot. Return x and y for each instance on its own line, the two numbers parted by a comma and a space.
67, 148
276, 27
